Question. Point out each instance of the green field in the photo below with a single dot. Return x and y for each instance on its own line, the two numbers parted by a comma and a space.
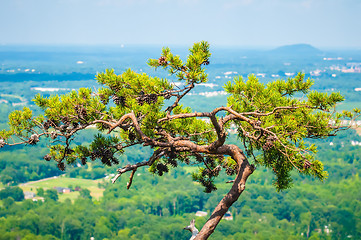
62, 181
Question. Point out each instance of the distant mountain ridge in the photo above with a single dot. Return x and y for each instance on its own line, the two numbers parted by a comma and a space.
297, 49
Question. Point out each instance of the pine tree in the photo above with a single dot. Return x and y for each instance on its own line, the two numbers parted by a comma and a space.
272, 121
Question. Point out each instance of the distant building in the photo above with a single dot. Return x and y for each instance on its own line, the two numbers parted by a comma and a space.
228, 216
62, 190
29, 195
66, 190
37, 199
201, 214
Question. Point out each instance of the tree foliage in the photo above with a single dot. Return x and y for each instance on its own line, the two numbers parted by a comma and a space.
14, 192
272, 122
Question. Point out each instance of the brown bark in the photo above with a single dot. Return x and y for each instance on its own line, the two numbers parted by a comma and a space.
244, 171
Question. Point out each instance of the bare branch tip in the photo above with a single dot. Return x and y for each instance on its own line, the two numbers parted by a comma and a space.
129, 184
116, 178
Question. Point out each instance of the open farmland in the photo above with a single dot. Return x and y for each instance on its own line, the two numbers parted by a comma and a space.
65, 182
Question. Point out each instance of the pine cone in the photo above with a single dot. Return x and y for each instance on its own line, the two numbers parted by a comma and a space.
153, 98
2, 143
106, 161
216, 170
46, 125
209, 160
70, 128
230, 171
103, 98
61, 166
33, 139
140, 100
210, 188
69, 151
161, 168
119, 101
98, 153
108, 153
199, 158
172, 162
83, 160
47, 157
206, 62
53, 122
63, 128
268, 145
171, 154
131, 136
271, 138
307, 164
162, 61
83, 113
258, 123
53, 135
147, 99
114, 160
65, 120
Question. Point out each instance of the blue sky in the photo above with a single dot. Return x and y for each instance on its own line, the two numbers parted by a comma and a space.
245, 23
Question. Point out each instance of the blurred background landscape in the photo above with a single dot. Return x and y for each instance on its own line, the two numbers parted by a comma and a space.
57, 47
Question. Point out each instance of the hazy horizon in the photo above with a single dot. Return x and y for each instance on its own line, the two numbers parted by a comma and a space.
181, 47
256, 24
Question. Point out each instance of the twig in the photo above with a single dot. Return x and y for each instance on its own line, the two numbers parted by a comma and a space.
156, 155
131, 179
179, 97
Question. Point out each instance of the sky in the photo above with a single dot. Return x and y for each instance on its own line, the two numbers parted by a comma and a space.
244, 23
